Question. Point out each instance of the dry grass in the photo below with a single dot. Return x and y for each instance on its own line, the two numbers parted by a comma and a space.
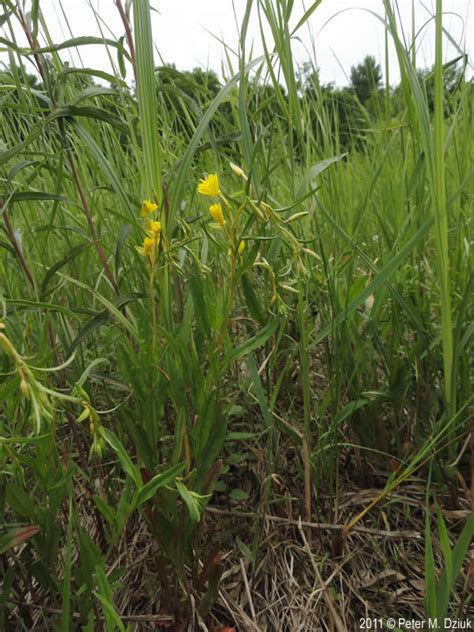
301, 580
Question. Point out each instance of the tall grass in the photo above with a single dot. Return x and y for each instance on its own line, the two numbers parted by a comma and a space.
327, 321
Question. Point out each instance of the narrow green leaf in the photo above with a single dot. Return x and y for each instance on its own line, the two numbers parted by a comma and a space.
125, 461
15, 170
74, 42
194, 502
4, 17
105, 596
92, 72
160, 480
430, 579
446, 548
200, 307
315, 171
306, 16
260, 338
458, 557
121, 58
349, 409
66, 621
111, 308
251, 298
28, 196
88, 329
25, 440
21, 502
89, 111
124, 234
34, 18
106, 510
109, 172
147, 101
91, 92
377, 281
76, 251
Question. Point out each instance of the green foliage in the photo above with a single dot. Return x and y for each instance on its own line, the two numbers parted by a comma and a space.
366, 78
438, 593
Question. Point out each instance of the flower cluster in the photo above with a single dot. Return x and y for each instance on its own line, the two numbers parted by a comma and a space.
210, 187
151, 242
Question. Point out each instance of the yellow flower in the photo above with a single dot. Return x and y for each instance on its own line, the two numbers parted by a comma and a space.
148, 249
155, 228
241, 247
216, 213
209, 186
148, 208
148, 246
154, 233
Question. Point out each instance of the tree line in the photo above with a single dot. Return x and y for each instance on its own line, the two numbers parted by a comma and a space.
350, 111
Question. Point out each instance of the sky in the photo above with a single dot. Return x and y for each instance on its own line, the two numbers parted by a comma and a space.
190, 33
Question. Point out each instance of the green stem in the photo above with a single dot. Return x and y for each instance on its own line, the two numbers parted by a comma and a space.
306, 387
154, 359
230, 297
154, 320
442, 219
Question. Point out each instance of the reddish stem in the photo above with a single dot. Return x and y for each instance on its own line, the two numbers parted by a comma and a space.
90, 222
128, 30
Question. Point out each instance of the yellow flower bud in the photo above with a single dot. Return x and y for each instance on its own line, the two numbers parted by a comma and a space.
216, 213
241, 247
148, 245
155, 228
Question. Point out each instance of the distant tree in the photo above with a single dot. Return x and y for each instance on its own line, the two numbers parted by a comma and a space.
344, 120
185, 95
198, 84
453, 77
12, 74
366, 78
454, 81
204, 80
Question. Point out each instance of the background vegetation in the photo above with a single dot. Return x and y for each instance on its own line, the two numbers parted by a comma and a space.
166, 419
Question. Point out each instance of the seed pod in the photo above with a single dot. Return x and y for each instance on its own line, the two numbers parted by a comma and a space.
7, 346
238, 171
25, 389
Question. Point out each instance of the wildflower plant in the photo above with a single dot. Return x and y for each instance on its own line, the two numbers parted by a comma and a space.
179, 369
